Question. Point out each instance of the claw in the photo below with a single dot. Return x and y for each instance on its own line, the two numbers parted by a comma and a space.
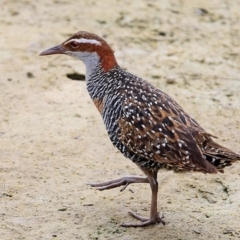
124, 187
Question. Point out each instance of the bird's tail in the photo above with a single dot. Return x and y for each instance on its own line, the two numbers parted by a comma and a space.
216, 154
219, 156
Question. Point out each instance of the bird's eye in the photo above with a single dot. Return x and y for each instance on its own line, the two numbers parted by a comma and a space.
75, 44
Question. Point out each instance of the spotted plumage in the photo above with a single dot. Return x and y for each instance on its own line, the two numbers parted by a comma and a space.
143, 122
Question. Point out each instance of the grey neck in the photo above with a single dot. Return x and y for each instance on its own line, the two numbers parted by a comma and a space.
90, 59
91, 62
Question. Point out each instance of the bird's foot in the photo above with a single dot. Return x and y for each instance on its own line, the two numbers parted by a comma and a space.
124, 181
145, 221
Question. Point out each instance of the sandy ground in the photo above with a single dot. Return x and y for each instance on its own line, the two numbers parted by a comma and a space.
52, 139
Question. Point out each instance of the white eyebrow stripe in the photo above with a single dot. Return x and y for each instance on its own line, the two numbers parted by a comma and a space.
84, 40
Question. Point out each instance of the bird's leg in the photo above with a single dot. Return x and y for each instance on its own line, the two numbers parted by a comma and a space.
124, 181
155, 217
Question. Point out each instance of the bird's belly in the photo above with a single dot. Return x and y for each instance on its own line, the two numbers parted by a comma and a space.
142, 162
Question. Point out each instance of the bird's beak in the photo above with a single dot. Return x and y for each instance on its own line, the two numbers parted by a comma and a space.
54, 50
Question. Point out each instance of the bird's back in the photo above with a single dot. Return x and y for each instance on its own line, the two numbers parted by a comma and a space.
150, 128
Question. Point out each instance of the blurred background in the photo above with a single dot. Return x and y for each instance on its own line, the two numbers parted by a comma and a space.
52, 139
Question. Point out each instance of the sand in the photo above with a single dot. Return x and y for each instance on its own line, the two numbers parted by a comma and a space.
52, 139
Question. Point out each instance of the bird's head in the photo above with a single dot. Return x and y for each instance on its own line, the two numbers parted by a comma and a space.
89, 48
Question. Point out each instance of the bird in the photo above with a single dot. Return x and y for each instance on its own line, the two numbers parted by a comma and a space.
145, 124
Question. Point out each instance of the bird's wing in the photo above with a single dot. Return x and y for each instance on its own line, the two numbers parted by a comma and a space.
155, 127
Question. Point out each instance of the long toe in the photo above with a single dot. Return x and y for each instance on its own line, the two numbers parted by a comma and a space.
144, 221
108, 185
124, 181
142, 224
